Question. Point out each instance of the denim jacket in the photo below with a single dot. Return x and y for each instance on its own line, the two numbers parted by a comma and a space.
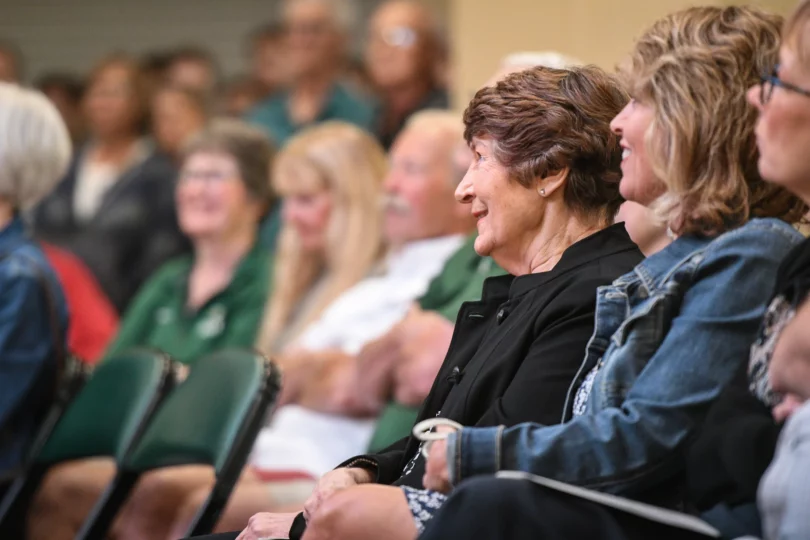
668, 337
27, 355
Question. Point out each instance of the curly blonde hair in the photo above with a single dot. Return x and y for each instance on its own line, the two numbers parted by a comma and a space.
693, 68
351, 165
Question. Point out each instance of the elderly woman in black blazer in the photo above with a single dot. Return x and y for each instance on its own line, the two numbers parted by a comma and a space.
543, 186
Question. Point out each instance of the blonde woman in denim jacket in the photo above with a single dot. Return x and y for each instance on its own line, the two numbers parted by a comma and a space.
670, 335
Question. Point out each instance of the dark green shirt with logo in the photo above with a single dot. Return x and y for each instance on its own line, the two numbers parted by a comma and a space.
159, 317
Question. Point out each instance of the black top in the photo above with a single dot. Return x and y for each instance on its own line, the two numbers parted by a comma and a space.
131, 235
435, 99
738, 439
514, 354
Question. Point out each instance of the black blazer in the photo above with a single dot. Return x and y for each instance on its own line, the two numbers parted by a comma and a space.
133, 233
514, 354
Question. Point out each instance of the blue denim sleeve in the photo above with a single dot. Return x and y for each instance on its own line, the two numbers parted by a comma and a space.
25, 338
622, 449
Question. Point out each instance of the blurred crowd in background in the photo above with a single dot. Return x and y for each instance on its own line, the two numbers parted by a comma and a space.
130, 117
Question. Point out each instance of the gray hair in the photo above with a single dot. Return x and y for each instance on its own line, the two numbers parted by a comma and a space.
551, 59
344, 12
35, 147
249, 147
522, 61
447, 124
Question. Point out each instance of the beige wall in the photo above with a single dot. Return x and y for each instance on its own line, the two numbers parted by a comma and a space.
595, 31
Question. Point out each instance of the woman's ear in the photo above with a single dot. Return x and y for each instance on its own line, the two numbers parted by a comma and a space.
547, 185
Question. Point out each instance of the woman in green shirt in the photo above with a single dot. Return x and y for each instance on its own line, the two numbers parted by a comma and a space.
193, 305
214, 297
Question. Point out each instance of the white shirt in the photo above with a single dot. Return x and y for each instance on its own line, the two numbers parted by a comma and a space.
300, 439
94, 180
92, 183
373, 306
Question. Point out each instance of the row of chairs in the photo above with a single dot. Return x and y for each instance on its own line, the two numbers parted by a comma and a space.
134, 409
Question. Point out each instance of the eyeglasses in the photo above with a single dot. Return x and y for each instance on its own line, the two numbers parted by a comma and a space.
205, 176
400, 37
772, 80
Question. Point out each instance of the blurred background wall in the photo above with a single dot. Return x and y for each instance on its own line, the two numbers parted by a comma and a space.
72, 35
595, 31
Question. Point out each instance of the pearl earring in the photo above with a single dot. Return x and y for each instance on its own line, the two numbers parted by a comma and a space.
542, 192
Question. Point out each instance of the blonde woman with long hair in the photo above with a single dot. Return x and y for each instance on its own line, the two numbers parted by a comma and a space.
330, 178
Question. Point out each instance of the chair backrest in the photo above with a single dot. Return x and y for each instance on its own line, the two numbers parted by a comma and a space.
73, 377
202, 418
212, 418
108, 414
104, 419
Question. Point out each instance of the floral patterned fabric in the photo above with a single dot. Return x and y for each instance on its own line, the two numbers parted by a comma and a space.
779, 314
423, 504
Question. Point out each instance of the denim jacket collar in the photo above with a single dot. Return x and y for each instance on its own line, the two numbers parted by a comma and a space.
655, 269
12, 233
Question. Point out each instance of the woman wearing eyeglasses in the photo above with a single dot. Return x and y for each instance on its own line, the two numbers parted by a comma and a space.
194, 304
689, 138
783, 372
402, 55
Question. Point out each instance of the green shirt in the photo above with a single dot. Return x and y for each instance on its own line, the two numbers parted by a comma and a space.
461, 280
158, 317
273, 115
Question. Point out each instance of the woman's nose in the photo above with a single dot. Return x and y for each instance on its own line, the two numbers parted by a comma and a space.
465, 192
618, 121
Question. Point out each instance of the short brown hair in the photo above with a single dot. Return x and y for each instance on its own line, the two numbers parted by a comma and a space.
543, 120
694, 68
250, 148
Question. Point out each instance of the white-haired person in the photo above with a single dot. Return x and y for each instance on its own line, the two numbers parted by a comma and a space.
520, 61
34, 154
317, 35
330, 177
316, 39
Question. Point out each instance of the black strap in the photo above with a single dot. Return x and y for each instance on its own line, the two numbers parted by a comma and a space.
57, 338
298, 527
57, 335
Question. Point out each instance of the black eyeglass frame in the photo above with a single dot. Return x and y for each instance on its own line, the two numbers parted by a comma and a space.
771, 80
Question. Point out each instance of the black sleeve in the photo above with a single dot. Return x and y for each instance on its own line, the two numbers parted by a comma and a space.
386, 464
734, 447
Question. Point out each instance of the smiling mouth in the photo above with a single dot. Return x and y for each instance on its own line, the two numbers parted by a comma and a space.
480, 214
626, 153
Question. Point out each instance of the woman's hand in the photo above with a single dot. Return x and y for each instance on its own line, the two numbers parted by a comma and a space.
332, 482
437, 473
267, 525
425, 337
786, 408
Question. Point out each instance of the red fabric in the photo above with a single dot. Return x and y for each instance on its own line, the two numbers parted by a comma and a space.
93, 320
281, 476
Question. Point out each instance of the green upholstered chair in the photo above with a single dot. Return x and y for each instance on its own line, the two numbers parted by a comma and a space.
212, 418
104, 419
73, 374
394, 423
